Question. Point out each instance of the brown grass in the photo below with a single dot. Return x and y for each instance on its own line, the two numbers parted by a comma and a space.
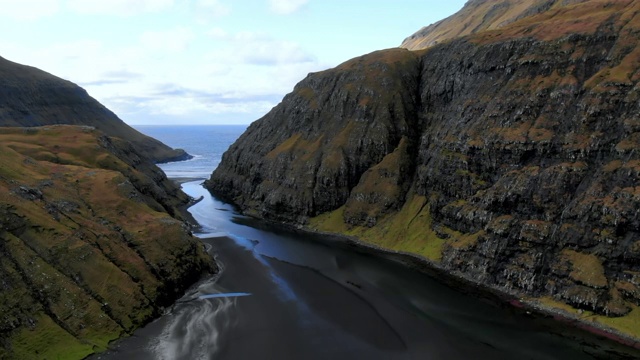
585, 268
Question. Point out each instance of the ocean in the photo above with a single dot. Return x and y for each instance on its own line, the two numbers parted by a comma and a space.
206, 143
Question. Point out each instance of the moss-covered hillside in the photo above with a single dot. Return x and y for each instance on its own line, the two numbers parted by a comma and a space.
89, 249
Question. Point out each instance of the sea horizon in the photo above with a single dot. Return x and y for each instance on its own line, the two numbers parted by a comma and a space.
206, 143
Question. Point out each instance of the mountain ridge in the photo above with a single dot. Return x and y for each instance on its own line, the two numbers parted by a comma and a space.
479, 16
32, 97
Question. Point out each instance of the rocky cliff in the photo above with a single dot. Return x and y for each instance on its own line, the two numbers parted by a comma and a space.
92, 244
32, 97
508, 156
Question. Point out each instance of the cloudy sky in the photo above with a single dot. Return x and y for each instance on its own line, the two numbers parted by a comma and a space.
201, 61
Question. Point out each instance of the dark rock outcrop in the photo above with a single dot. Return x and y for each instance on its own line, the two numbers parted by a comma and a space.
32, 97
515, 150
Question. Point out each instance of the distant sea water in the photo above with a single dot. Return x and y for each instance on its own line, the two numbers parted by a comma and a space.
206, 143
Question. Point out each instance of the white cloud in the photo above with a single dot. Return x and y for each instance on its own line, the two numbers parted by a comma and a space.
62, 59
29, 9
258, 48
247, 73
286, 7
208, 9
185, 106
273, 53
172, 40
218, 33
251, 37
118, 7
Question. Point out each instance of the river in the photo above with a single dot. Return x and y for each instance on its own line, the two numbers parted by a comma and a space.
306, 298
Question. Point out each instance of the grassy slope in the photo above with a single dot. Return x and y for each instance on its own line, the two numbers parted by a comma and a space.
85, 255
408, 230
517, 18
475, 16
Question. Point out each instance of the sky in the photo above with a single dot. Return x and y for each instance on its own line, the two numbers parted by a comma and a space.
161, 62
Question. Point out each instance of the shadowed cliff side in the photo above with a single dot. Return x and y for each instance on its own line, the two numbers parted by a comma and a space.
92, 244
509, 157
32, 97
329, 131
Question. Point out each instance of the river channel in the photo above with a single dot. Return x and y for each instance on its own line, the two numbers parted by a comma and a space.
297, 296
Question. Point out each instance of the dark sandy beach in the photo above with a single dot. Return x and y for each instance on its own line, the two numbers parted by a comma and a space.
344, 310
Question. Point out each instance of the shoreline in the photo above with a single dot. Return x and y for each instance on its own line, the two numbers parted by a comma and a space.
458, 281
184, 209
135, 345
183, 180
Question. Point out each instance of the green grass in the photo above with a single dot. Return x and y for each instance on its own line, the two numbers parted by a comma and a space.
408, 230
48, 341
581, 18
627, 324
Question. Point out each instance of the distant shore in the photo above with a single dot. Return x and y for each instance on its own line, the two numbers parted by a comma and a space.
182, 180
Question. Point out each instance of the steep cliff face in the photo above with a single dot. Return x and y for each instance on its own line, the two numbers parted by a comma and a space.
32, 97
509, 157
89, 249
306, 155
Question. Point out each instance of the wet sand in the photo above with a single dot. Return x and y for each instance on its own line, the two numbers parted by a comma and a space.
604, 341
567, 324
347, 310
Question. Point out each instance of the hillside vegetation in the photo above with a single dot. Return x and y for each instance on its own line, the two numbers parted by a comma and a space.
91, 242
486, 15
